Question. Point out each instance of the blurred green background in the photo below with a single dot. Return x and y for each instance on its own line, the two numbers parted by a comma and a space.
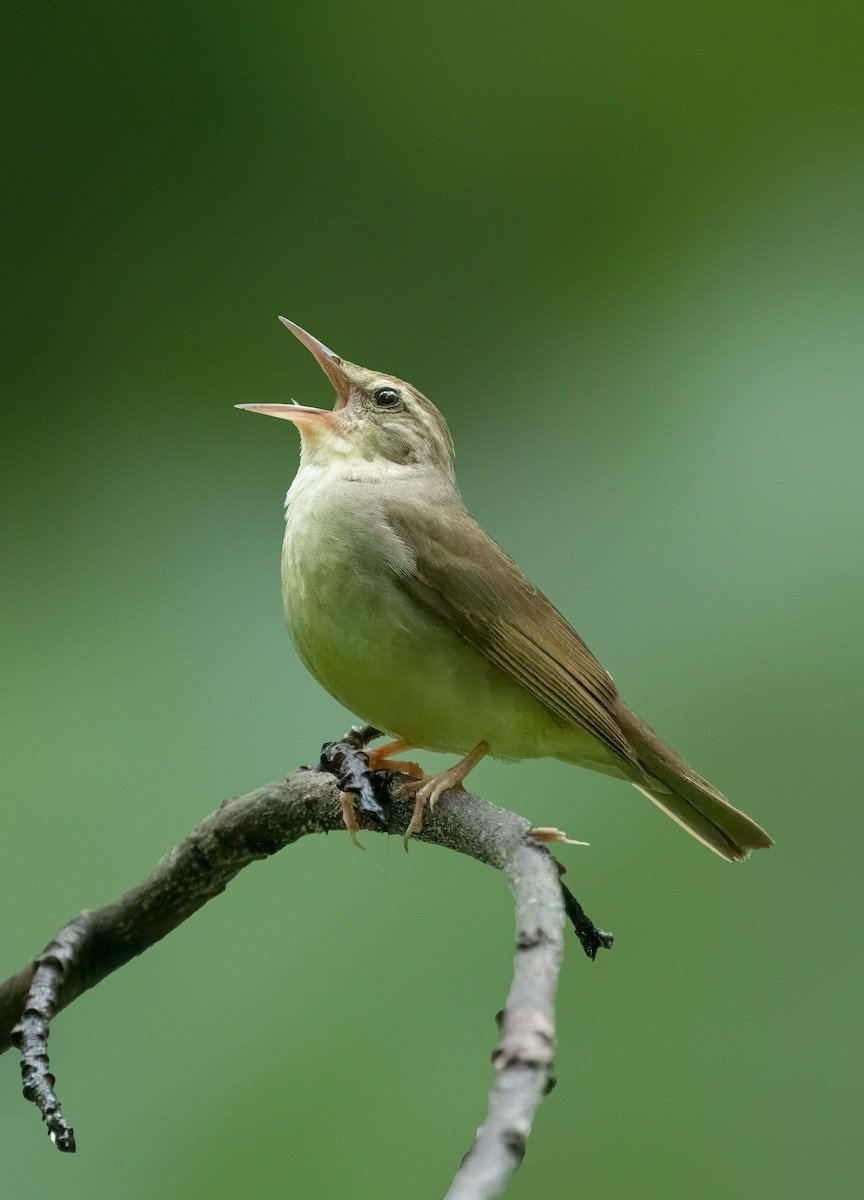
621, 246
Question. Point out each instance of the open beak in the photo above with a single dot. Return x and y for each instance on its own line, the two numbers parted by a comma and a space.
298, 413
330, 363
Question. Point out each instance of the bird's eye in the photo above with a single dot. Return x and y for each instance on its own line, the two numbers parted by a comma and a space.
386, 397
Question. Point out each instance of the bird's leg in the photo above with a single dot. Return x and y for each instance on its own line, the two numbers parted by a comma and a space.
380, 760
430, 787
349, 816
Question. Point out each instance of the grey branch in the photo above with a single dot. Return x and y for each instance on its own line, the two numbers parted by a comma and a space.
523, 1057
254, 826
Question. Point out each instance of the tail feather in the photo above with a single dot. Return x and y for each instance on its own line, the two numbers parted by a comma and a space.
689, 799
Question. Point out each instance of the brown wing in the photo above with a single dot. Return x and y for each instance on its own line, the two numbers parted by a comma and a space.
461, 574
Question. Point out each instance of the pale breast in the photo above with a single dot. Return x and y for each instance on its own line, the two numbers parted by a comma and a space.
339, 560
380, 654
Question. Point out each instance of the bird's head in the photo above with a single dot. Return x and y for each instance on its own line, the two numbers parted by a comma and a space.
376, 418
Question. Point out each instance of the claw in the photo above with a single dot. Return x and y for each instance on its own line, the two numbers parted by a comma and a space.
430, 787
348, 800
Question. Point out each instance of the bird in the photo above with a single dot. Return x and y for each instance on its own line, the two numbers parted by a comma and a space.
407, 612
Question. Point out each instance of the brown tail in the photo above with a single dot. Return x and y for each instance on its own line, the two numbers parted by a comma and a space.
688, 798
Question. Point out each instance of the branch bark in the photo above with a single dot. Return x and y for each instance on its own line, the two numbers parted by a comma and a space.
252, 827
523, 1059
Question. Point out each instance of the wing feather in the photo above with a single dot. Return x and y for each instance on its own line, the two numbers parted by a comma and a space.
465, 577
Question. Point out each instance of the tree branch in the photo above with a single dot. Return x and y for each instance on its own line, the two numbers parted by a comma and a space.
523, 1059
254, 826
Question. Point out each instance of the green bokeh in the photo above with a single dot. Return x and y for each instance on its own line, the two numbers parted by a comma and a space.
621, 246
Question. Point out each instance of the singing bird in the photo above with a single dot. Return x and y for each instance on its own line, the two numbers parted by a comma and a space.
405, 609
